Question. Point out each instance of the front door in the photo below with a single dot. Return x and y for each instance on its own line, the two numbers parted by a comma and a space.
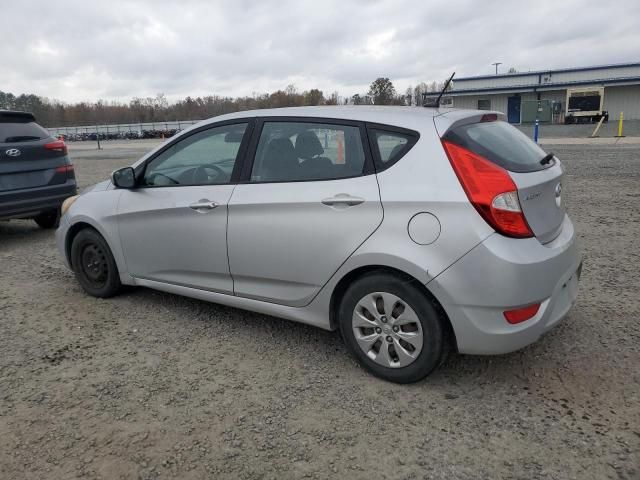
173, 227
513, 109
307, 206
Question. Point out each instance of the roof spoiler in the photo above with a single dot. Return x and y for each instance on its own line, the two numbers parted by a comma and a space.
455, 118
10, 116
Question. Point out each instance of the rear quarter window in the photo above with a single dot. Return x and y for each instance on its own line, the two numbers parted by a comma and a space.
501, 143
21, 132
391, 145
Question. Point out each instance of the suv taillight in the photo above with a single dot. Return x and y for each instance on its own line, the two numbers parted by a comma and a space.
490, 190
65, 169
57, 146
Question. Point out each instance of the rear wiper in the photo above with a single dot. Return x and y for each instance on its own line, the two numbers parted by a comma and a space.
547, 158
21, 138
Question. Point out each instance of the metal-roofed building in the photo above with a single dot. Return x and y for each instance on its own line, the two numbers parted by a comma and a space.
561, 95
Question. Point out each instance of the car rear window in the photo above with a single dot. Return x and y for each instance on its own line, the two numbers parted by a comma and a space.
21, 132
501, 143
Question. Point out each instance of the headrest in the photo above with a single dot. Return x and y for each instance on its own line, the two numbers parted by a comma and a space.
308, 145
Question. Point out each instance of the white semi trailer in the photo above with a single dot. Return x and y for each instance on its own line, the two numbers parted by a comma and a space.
585, 105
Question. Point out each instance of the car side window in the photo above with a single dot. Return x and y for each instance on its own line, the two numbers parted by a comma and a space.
299, 151
392, 145
204, 158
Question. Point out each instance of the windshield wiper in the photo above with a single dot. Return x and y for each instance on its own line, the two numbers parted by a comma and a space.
21, 138
547, 158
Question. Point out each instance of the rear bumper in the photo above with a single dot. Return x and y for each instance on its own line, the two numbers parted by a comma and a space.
503, 274
32, 201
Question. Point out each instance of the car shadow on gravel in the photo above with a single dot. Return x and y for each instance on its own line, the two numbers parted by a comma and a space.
457, 371
17, 231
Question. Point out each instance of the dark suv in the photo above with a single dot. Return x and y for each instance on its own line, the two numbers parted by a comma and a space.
36, 175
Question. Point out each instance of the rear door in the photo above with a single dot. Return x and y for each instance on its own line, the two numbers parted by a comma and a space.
539, 184
309, 200
29, 156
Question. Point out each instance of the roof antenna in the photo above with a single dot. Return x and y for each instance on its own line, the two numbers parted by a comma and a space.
436, 104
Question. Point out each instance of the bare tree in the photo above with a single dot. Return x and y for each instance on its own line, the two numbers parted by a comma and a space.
55, 113
313, 97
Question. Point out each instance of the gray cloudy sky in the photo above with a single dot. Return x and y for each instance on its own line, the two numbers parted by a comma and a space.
85, 50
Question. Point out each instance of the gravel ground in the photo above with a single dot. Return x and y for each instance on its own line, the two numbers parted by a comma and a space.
630, 128
149, 385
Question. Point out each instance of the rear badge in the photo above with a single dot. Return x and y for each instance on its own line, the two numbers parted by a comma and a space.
13, 152
531, 196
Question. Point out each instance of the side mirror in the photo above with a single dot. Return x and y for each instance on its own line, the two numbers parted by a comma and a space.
124, 178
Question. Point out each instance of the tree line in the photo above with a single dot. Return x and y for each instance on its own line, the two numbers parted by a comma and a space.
55, 113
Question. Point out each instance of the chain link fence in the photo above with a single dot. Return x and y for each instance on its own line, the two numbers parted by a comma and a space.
123, 131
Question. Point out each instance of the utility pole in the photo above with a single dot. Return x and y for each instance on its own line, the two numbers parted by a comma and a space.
496, 64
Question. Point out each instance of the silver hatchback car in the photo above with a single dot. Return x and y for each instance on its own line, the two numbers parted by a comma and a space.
412, 230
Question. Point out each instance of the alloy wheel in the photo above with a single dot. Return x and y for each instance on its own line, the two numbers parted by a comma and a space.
387, 330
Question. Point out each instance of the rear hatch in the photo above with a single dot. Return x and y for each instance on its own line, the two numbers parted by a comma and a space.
29, 156
537, 175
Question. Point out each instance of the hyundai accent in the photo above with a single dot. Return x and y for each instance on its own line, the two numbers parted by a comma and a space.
414, 231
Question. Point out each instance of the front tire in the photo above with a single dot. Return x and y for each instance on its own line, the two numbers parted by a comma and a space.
94, 265
392, 327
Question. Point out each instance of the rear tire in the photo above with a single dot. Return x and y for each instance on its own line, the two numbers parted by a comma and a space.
391, 327
94, 265
48, 220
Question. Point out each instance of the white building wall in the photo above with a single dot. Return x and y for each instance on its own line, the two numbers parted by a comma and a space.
554, 96
542, 78
494, 82
622, 99
595, 74
498, 102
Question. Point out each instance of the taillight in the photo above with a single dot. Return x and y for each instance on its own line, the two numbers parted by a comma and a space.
57, 146
65, 169
520, 315
490, 190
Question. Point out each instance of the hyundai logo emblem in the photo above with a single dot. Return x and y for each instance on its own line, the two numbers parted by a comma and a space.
559, 195
13, 152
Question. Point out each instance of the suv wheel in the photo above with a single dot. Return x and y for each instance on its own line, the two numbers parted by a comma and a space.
391, 327
50, 219
94, 265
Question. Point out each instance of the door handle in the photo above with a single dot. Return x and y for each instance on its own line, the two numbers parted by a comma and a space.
343, 199
203, 205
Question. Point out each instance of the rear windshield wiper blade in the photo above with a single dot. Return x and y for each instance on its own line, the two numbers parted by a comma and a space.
21, 138
547, 158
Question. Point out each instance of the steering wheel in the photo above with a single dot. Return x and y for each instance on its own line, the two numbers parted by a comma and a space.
200, 174
158, 174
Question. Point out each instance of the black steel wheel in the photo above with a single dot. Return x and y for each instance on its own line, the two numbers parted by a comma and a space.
94, 265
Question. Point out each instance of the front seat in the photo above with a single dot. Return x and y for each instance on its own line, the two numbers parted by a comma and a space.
308, 147
280, 162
